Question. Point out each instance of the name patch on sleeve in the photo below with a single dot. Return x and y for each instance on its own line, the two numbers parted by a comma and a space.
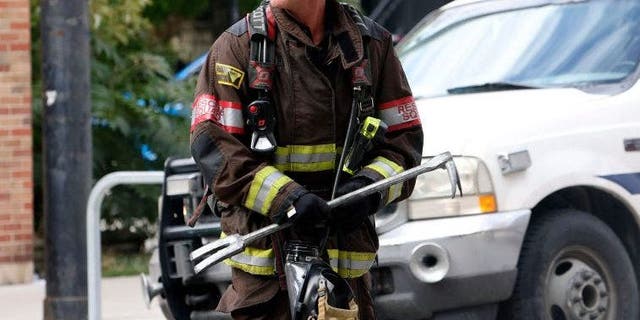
229, 76
399, 114
226, 114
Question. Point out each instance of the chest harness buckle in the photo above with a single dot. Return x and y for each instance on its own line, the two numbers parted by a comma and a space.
260, 114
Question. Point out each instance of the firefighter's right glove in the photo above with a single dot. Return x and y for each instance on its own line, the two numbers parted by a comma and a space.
311, 211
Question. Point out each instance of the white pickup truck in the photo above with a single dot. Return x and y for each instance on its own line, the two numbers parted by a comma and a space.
540, 101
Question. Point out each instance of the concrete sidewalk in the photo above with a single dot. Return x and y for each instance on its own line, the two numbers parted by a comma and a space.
121, 299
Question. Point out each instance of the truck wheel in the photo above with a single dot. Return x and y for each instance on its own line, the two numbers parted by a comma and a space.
164, 306
572, 266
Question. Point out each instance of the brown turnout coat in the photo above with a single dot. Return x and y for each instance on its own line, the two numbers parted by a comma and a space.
312, 94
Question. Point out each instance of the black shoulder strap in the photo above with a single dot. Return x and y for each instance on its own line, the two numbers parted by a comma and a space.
258, 22
262, 57
262, 47
361, 72
260, 113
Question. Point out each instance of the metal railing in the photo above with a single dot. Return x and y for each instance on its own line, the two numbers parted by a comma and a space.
94, 257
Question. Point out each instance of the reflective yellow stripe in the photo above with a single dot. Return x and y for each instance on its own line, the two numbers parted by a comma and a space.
253, 260
388, 168
257, 270
305, 167
350, 264
264, 188
395, 191
385, 167
305, 158
311, 149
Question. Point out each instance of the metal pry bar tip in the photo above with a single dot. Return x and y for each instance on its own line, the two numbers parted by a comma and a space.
213, 246
454, 178
229, 249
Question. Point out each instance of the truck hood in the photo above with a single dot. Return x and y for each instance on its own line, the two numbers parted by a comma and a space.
470, 123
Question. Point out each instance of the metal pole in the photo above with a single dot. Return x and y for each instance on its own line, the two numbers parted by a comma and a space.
99, 191
67, 154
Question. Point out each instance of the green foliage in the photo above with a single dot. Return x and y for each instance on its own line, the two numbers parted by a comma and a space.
248, 5
117, 264
131, 90
159, 10
118, 21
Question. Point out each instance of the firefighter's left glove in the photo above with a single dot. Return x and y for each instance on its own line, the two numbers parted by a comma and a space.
350, 216
310, 210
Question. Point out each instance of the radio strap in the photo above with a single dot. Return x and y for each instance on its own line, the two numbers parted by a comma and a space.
261, 117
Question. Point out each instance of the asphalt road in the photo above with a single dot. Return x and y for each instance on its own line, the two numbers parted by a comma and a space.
121, 299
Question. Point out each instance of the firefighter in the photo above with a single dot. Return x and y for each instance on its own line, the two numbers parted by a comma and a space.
269, 121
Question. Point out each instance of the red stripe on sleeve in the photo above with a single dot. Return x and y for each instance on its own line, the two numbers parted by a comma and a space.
230, 104
396, 103
205, 107
229, 129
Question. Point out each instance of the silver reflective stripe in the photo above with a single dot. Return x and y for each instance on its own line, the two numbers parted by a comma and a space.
307, 158
392, 116
348, 264
387, 169
263, 193
232, 117
354, 264
253, 261
264, 188
333, 262
400, 113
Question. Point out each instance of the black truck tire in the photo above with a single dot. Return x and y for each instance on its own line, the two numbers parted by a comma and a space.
572, 266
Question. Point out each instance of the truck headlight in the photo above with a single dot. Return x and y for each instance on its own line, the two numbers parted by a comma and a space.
431, 196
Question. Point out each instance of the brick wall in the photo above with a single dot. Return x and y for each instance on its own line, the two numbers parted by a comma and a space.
16, 167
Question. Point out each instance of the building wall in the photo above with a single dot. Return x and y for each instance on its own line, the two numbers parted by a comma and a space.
16, 152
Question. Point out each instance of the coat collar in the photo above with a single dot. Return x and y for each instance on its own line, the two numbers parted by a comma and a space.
346, 38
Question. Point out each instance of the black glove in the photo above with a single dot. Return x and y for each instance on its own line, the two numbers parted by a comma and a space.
351, 215
311, 210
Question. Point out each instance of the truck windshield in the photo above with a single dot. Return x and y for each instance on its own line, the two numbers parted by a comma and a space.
574, 44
